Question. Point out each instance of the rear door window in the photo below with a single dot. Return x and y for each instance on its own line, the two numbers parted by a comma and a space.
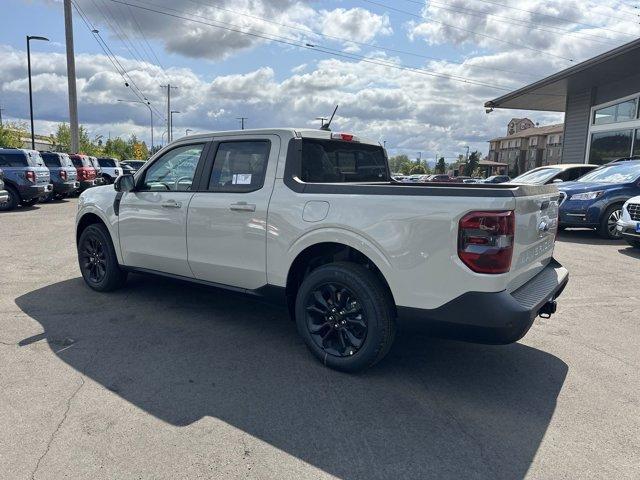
240, 166
332, 161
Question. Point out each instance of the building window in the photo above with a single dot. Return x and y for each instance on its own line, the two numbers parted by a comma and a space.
533, 141
620, 112
608, 146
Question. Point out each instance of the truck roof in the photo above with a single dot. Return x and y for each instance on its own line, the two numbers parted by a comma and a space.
296, 132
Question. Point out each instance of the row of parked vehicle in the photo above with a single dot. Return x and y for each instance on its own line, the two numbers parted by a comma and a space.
29, 176
605, 198
444, 178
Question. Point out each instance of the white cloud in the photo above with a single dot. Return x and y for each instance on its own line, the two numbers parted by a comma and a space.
355, 24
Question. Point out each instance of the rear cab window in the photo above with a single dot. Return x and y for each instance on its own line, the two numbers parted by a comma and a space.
13, 159
52, 160
335, 161
35, 159
107, 162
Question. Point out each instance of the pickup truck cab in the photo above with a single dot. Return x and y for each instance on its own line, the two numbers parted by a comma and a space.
313, 219
26, 178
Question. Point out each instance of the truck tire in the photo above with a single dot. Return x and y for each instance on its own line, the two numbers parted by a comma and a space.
607, 229
13, 200
345, 316
97, 260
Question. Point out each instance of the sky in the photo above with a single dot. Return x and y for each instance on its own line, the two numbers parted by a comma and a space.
414, 74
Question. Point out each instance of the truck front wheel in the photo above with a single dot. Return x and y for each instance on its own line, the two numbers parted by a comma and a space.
345, 316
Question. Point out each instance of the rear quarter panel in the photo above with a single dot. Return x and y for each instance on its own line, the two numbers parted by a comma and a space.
411, 239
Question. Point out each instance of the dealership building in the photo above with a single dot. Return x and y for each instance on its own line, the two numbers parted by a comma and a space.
600, 98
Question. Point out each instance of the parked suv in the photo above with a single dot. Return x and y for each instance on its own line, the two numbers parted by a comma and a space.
312, 218
595, 200
4, 195
110, 169
100, 180
629, 223
26, 178
85, 170
64, 176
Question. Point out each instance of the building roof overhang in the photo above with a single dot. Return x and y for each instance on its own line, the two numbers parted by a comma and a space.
550, 93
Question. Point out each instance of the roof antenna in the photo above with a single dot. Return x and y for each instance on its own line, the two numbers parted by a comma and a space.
326, 125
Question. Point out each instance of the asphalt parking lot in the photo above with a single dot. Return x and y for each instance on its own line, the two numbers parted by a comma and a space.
164, 380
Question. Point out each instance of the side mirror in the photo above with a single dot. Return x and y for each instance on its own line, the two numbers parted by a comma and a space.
558, 180
124, 183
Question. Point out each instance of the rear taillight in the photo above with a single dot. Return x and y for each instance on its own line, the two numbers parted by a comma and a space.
485, 241
63, 175
30, 175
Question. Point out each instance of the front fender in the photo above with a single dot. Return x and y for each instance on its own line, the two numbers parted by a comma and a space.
99, 201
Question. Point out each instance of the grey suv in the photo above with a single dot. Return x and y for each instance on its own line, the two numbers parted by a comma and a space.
64, 176
26, 178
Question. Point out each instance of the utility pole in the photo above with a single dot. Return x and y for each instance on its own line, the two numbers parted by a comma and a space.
1, 110
171, 122
242, 119
71, 78
168, 87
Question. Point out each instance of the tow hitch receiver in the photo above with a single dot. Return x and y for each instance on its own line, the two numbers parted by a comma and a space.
548, 309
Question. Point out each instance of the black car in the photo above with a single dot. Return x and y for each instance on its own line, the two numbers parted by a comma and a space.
64, 176
4, 195
26, 179
135, 164
497, 179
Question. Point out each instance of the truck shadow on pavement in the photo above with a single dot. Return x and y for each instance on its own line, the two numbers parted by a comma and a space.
432, 409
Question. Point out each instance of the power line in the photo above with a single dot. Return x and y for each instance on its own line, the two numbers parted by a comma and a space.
556, 18
519, 22
318, 48
113, 59
363, 44
411, 14
147, 42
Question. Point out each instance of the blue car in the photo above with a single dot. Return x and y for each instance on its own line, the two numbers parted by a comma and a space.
595, 200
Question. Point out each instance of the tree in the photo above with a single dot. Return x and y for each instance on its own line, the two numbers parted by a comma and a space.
441, 166
472, 164
11, 134
399, 163
417, 169
62, 140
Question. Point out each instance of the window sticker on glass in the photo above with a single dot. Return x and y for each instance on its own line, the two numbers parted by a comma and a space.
241, 179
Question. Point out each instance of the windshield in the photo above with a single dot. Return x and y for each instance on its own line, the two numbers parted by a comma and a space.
538, 176
334, 161
618, 173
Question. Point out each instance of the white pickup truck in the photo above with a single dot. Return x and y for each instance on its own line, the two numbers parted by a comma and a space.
312, 218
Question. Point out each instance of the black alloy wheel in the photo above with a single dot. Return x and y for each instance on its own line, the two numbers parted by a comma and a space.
93, 259
335, 319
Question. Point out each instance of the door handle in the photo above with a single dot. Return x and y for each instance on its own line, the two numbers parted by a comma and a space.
243, 207
172, 204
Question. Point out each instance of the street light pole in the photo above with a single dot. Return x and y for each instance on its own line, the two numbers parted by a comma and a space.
29, 38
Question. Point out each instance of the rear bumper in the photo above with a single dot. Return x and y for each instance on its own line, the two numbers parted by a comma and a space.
66, 187
84, 184
27, 192
490, 317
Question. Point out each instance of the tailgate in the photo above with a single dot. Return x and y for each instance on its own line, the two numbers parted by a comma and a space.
536, 227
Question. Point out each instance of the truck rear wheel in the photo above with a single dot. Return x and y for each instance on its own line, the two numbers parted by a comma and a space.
345, 316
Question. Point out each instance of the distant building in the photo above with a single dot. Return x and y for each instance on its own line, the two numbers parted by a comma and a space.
528, 147
600, 98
